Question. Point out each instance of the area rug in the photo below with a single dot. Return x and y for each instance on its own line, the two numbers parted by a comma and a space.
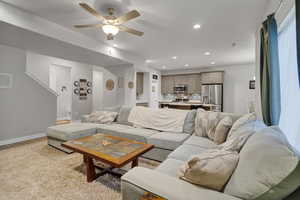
34, 171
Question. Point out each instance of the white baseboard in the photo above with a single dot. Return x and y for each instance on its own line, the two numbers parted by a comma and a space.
21, 139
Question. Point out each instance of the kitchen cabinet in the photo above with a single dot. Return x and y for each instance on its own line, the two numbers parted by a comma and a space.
212, 77
139, 83
194, 84
192, 81
181, 80
167, 84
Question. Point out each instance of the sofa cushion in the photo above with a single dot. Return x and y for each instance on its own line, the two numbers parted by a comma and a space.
222, 130
165, 186
170, 167
184, 152
166, 140
211, 169
201, 142
123, 116
71, 131
129, 132
268, 168
206, 121
102, 117
189, 122
248, 118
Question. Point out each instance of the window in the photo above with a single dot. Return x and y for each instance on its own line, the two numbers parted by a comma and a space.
290, 91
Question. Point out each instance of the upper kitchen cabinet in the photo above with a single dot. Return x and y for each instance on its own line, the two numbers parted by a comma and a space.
212, 77
180, 80
139, 83
167, 84
194, 84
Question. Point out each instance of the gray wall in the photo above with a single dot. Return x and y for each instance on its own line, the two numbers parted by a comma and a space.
27, 108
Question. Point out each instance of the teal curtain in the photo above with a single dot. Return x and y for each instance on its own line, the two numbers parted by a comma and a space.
298, 35
269, 72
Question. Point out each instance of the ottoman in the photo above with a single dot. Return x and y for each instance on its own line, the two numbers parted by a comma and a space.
61, 133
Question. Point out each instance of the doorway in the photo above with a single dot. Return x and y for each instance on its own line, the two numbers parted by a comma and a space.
60, 81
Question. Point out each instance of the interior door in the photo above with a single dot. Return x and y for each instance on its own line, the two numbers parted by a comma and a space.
60, 81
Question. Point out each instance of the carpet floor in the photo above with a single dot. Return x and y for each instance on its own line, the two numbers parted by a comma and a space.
34, 171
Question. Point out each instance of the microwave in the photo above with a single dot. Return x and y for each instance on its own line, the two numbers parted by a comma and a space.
180, 89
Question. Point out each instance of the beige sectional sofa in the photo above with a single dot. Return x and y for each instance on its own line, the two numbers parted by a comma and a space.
268, 168
164, 142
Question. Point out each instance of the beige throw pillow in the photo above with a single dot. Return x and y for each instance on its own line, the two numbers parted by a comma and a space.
102, 117
241, 122
211, 125
211, 169
201, 123
222, 130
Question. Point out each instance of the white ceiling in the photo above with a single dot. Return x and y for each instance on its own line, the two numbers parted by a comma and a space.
168, 28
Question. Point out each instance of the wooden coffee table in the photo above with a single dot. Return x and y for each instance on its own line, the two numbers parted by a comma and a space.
113, 151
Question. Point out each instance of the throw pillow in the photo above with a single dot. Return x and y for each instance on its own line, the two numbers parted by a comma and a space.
94, 116
106, 117
239, 138
240, 122
189, 122
222, 130
123, 116
102, 117
211, 169
205, 123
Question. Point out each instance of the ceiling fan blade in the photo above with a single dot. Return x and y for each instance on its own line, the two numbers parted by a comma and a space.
130, 30
92, 11
131, 15
88, 25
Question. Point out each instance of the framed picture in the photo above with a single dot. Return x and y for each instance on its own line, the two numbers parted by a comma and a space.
155, 77
252, 85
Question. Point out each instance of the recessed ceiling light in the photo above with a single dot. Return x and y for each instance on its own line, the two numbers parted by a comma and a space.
147, 61
115, 45
207, 53
174, 57
213, 63
164, 67
186, 65
197, 26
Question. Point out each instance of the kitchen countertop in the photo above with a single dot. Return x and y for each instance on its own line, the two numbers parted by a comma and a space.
142, 101
186, 103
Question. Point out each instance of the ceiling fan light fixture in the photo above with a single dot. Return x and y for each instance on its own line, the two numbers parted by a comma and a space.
110, 29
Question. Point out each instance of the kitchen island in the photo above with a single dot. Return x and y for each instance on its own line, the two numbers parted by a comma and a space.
187, 105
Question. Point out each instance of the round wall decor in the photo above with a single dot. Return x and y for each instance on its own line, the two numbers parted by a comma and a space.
89, 91
130, 84
110, 84
89, 84
76, 83
76, 91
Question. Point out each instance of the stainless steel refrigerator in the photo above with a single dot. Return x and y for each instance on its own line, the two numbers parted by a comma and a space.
213, 94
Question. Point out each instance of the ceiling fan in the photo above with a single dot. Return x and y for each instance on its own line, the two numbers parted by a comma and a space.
111, 25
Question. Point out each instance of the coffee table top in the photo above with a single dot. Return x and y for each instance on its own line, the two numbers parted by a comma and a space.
115, 151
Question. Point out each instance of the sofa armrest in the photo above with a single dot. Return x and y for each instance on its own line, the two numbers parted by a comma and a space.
140, 180
84, 118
